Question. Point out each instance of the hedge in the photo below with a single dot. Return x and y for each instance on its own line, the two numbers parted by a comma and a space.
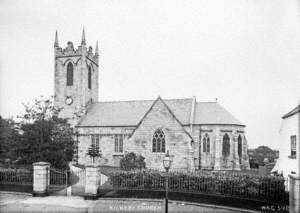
266, 188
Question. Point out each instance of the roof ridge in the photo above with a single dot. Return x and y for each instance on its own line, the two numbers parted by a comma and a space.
202, 102
170, 99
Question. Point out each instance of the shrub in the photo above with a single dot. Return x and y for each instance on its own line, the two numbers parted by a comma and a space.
267, 188
132, 161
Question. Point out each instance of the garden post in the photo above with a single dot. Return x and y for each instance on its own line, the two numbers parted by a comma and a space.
41, 178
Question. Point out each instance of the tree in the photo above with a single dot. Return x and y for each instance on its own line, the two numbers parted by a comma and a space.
261, 155
45, 136
94, 152
132, 161
8, 137
254, 163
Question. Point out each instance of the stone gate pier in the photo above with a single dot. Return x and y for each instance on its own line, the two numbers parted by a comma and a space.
41, 178
92, 181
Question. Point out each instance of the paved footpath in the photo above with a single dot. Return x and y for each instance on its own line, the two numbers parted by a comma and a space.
10, 202
14, 202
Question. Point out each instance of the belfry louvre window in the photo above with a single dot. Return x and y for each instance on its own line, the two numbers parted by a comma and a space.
90, 78
293, 146
158, 141
119, 143
206, 143
226, 145
70, 74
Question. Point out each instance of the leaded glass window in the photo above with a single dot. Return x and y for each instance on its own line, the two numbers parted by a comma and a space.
240, 146
206, 143
95, 140
119, 143
158, 141
226, 145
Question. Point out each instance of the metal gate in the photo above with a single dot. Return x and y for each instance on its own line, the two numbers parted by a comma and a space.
58, 182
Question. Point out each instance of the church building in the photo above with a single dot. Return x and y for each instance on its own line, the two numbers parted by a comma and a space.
198, 135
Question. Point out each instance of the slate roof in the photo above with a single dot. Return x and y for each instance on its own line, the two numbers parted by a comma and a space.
213, 113
293, 112
130, 113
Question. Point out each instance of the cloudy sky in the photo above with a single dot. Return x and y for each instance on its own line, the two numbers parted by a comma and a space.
246, 53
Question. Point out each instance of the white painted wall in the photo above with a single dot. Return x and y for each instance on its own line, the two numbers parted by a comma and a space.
289, 127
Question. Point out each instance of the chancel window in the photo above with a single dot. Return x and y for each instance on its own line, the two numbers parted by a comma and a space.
158, 141
90, 78
293, 146
70, 74
240, 142
226, 145
119, 143
206, 143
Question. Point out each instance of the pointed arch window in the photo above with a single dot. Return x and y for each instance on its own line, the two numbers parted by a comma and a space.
206, 143
158, 141
240, 150
70, 71
226, 145
90, 78
240, 143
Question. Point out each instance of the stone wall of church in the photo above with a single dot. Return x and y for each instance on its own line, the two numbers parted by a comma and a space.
106, 144
177, 143
177, 140
214, 158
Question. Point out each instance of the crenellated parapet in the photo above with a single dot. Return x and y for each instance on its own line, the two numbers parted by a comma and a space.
82, 50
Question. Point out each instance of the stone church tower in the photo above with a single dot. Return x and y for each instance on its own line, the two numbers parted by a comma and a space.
76, 78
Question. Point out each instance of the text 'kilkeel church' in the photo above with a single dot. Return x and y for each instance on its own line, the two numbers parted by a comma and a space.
198, 135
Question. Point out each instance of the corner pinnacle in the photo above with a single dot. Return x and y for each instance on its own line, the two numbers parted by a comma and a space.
83, 38
56, 40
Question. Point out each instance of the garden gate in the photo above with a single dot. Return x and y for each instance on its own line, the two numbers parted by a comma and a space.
58, 181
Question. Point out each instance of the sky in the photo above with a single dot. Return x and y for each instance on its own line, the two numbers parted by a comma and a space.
246, 53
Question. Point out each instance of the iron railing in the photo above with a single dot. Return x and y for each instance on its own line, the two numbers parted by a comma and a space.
16, 176
246, 186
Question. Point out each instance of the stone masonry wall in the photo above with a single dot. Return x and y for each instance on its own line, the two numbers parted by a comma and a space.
79, 91
214, 158
106, 144
177, 140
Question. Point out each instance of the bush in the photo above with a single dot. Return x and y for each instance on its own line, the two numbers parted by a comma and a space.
267, 188
132, 161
